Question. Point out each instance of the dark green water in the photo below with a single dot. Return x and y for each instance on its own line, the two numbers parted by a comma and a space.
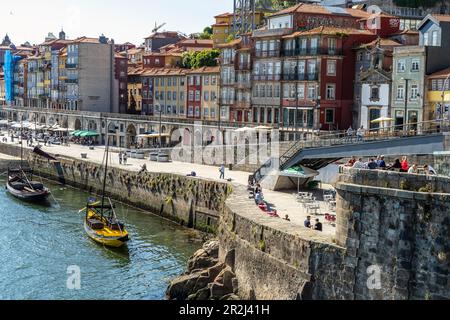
39, 243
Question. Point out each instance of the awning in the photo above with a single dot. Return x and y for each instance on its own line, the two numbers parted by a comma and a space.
89, 134
299, 172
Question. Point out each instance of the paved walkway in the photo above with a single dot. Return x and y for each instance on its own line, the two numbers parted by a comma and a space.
284, 202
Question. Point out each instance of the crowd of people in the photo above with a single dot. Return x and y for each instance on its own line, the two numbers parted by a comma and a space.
398, 165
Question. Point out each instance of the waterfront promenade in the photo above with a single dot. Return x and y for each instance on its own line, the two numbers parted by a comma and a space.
284, 202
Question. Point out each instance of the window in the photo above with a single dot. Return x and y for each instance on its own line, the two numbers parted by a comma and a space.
301, 91
174, 95
415, 65
426, 39
190, 111
197, 95
311, 91
191, 95
375, 93
414, 92
206, 80
331, 67
169, 95
206, 96
401, 65
197, 112
331, 91
434, 38
329, 116
198, 80
400, 92
331, 46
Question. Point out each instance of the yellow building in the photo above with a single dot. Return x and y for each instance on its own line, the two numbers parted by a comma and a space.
134, 90
438, 95
223, 27
169, 92
202, 93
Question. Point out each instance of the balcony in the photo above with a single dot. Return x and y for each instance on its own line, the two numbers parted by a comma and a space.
244, 66
267, 77
272, 32
267, 54
71, 80
301, 76
311, 52
71, 65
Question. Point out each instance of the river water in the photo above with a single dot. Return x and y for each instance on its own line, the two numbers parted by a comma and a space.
39, 243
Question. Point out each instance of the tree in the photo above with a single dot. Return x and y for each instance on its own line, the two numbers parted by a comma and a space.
207, 33
198, 59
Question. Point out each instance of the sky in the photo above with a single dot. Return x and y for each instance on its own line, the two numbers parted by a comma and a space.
121, 20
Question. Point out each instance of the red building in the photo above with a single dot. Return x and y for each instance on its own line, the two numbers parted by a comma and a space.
194, 96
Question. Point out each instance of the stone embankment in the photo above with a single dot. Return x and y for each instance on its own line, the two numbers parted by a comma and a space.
392, 235
206, 277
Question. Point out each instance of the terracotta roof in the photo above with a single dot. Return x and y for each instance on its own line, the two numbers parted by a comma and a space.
384, 42
224, 15
164, 72
406, 31
165, 34
329, 31
441, 17
232, 43
318, 9
440, 74
222, 24
205, 70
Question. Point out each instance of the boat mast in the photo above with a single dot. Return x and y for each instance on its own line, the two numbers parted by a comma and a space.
106, 168
21, 143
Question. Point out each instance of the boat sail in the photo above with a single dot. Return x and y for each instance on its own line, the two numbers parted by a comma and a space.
100, 222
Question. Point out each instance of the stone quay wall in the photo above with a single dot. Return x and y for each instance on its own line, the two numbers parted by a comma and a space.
189, 201
395, 223
400, 224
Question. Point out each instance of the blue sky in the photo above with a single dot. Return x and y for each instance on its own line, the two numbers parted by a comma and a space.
121, 20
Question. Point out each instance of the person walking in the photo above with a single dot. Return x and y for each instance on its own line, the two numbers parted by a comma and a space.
360, 134
349, 135
222, 172
125, 158
120, 158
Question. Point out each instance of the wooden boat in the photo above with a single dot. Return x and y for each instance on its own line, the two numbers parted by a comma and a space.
100, 221
20, 184
102, 226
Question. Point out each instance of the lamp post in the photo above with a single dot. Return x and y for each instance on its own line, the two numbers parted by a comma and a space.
405, 115
444, 87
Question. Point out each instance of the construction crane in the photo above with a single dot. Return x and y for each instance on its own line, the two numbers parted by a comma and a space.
158, 27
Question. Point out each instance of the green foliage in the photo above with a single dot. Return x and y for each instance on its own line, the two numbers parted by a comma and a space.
278, 4
198, 59
230, 38
428, 188
262, 245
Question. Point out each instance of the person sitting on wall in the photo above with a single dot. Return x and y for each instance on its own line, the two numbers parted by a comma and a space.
143, 168
307, 222
372, 165
381, 163
413, 169
396, 166
351, 162
429, 170
318, 225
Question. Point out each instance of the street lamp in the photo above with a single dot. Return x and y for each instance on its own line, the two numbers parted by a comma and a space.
405, 116
444, 87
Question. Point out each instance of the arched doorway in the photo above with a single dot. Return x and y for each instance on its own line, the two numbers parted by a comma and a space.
43, 120
77, 124
92, 126
131, 135
112, 133
187, 137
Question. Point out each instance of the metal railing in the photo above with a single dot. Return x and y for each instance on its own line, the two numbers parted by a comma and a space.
340, 138
311, 51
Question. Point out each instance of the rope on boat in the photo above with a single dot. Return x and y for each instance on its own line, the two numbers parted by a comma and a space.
58, 206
